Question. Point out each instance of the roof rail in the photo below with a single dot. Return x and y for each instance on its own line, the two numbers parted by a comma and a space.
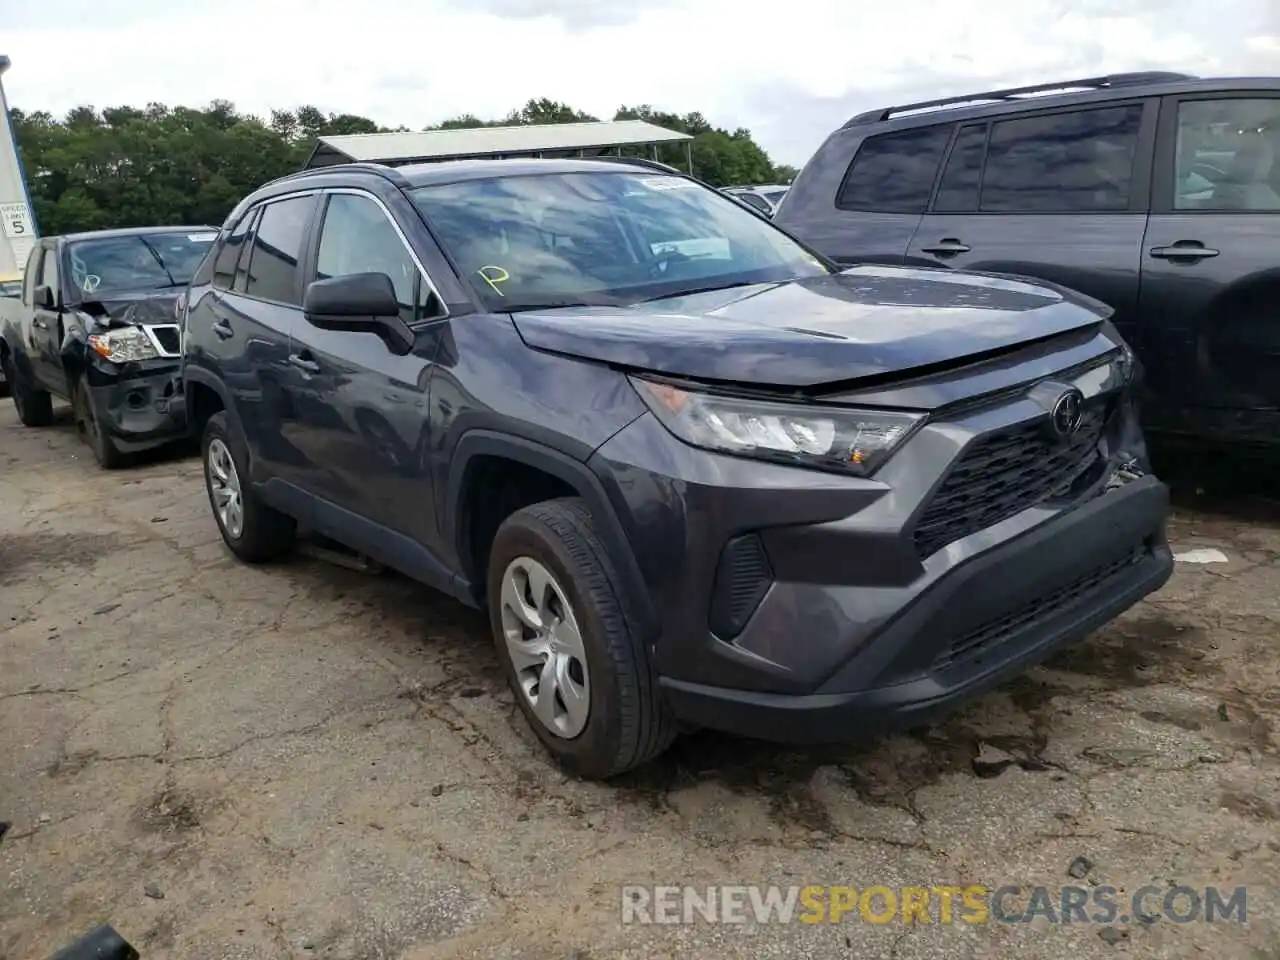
640, 162
364, 166
1015, 93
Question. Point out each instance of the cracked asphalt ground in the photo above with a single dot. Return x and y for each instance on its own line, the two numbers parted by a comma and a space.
307, 761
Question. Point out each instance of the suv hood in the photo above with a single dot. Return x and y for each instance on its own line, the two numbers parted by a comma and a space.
864, 322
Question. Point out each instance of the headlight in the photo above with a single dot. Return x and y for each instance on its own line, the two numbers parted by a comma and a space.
123, 346
837, 438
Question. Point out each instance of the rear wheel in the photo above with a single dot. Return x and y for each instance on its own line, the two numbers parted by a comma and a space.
92, 432
35, 407
579, 670
253, 531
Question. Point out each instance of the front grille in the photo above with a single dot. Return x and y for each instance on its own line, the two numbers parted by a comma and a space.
1004, 473
970, 647
168, 337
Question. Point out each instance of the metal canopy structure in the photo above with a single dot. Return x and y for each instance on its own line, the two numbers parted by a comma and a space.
529, 140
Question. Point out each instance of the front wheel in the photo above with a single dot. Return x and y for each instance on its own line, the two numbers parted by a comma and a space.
580, 672
92, 431
253, 531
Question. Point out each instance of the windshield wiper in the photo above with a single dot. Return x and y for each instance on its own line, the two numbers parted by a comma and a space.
155, 253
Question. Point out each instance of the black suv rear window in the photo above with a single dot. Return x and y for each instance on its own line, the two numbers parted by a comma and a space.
894, 172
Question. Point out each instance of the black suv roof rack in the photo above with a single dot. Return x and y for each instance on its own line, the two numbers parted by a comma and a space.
1015, 93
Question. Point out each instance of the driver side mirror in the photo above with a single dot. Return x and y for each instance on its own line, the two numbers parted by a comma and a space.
359, 303
43, 298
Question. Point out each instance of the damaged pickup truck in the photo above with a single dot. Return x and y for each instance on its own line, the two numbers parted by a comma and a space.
95, 325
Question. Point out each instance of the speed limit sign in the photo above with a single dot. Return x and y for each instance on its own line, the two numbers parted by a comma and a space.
16, 220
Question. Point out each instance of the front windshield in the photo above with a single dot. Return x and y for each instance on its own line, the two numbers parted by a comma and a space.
134, 262
549, 240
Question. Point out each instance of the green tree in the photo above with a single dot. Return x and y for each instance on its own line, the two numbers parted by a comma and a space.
159, 164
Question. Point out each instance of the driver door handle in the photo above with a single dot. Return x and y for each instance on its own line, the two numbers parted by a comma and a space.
947, 247
222, 330
1183, 250
302, 363
39, 324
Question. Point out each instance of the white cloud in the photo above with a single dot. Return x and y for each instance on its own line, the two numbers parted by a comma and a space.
789, 73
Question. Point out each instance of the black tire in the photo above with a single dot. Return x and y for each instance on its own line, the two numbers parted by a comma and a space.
107, 454
35, 407
266, 534
628, 721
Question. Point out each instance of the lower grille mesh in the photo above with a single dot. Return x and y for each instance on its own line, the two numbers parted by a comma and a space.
970, 647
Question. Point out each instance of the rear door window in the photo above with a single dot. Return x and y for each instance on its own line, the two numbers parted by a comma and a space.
894, 172
1077, 162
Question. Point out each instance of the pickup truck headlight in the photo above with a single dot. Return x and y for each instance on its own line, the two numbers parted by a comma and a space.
855, 441
123, 346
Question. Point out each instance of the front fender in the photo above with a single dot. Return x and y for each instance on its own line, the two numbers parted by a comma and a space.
576, 474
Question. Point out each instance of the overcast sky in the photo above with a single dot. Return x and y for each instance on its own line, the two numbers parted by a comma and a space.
788, 71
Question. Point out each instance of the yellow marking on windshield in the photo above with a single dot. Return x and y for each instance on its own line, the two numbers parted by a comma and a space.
499, 275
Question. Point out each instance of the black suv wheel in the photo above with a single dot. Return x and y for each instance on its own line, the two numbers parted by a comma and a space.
253, 531
579, 672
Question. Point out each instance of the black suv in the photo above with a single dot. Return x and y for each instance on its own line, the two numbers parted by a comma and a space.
1158, 194
693, 472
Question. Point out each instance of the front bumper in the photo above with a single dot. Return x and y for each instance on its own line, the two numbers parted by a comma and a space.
984, 621
141, 406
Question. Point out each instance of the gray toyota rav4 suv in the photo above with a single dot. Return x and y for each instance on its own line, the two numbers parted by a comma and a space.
696, 474
1157, 193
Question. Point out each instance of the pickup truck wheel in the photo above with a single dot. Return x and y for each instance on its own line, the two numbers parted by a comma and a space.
253, 531
92, 432
578, 669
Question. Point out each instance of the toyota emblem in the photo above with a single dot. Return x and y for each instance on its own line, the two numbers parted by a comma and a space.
1067, 413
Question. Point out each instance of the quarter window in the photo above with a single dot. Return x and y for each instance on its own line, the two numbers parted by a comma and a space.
357, 237
894, 172
1075, 162
276, 250
1226, 155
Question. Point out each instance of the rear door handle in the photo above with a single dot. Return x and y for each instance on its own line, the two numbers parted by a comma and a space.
948, 247
302, 363
1183, 250
222, 329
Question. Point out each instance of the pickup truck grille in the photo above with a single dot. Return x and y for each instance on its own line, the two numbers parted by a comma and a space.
1005, 472
168, 338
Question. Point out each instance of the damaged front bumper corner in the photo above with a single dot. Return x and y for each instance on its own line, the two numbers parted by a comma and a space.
140, 406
